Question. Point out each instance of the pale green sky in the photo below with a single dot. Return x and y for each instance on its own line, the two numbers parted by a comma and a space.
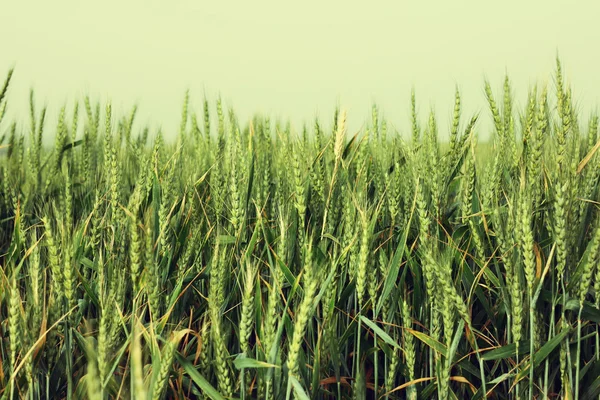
293, 59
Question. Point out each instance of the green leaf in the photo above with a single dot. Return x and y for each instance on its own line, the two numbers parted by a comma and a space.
253, 241
507, 351
456, 340
392, 275
69, 146
543, 352
593, 389
429, 341
288, 275
226, 239
198, 379
298, 390
243, 363
386, 338
316, 372
324, 287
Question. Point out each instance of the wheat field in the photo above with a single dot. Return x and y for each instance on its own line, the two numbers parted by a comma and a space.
257, 260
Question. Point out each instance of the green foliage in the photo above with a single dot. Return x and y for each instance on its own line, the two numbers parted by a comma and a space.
256, 261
